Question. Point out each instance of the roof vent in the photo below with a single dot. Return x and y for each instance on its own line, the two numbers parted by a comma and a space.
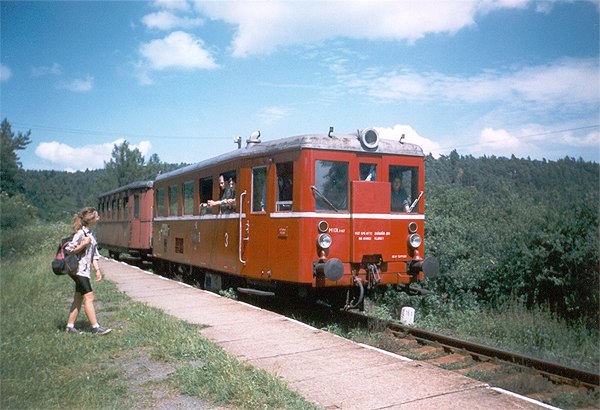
254, 139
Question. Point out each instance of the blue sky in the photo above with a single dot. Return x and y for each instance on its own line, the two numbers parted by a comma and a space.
181, 79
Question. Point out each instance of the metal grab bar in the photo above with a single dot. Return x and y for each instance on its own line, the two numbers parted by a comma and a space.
243, 262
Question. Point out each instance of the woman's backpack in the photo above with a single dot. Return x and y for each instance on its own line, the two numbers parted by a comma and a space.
65, 262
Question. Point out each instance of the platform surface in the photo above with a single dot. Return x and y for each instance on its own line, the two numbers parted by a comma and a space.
328, 370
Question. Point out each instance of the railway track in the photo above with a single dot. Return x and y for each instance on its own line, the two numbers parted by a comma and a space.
541, 380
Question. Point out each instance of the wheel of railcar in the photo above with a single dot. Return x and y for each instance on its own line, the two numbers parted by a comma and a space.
114, 255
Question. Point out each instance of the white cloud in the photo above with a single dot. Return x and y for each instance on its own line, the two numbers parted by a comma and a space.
180, 5
562, 82
86, 157
54, 69
5, 73
165, 20
534, 140
78, 85
411, 136
270, 115
263, 26
177, 50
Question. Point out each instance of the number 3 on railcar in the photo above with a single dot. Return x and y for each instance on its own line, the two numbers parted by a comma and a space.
332, 216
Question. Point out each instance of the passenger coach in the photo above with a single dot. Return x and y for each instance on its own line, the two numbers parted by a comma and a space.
126, 220
314, 214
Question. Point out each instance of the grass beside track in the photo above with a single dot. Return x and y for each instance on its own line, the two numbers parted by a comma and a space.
42, 367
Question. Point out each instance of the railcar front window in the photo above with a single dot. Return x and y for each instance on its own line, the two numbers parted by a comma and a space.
405, 188
331, 183
259, 189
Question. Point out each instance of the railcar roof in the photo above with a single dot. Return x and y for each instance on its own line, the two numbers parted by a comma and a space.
133, 185
347, 142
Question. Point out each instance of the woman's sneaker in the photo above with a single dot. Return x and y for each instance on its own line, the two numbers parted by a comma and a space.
100, 330
73, 331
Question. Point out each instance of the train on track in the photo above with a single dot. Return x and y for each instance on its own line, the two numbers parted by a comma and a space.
324, 216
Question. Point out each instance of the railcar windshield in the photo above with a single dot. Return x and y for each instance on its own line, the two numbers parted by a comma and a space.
331, 186
405, 193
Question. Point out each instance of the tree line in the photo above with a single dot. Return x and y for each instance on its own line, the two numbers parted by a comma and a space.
504, 229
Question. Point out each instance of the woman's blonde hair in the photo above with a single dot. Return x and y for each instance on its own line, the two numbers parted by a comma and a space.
84, 218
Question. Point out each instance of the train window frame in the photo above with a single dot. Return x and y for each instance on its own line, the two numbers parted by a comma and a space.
113, 208
173, 200
409, 175
340, 203
367, 171
259, 205
136, 206
228, 176
161, 202
205, 192
126, 208
188, 197
285, 186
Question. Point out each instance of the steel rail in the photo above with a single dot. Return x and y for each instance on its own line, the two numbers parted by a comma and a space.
587, 378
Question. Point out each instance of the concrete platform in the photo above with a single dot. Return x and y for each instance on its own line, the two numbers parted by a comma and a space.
326, 369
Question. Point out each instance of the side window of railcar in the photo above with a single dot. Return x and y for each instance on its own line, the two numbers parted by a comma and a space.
285, 178
206, 194
113, 209
188, 198
161, 206
126, 208
173, 200
259, 189
331, 183
368, 172
228, 192
136, 206
405, 188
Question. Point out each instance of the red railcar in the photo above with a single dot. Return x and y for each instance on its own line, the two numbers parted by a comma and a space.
126, 220
312, 213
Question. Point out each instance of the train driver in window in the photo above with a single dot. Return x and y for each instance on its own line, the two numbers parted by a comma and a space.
400, 201
227, 201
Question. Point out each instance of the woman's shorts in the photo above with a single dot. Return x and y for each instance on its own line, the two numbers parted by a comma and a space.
82, 284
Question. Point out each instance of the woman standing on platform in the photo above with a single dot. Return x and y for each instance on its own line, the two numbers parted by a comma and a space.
84, 244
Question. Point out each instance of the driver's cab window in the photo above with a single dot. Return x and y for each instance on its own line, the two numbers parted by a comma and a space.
331, 186
404, 183
285, 178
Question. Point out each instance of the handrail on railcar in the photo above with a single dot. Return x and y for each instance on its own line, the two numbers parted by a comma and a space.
240, 238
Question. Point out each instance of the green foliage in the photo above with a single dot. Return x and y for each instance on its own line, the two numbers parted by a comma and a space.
507, 229
58, 195
9, 160
128, 165
15, 211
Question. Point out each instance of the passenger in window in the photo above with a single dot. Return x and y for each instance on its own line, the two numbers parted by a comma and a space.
400, 201
227, 201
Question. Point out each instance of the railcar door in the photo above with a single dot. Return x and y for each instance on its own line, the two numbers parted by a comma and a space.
370, 207
254, 252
